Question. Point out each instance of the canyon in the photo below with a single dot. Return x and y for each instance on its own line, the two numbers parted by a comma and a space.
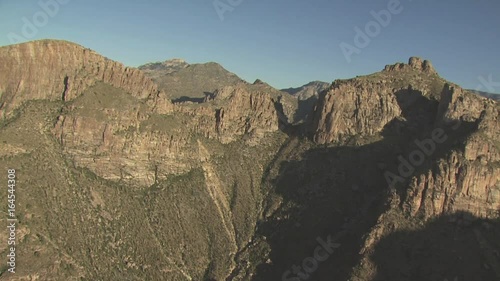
173, 171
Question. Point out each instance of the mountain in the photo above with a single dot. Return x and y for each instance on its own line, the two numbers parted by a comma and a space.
185, 82
307, 97
392, 176
158, 69
311, 89
487, 95
61, 71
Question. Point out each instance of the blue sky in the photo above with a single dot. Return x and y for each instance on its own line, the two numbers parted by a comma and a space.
283, 42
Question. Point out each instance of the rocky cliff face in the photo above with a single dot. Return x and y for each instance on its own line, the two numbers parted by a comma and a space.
213, 189
364, 106
390, 102
456, 184
188, 172
113, 122
118, 137
58, 70
243, 113
460, 105
468, 179
454, 195
354, 108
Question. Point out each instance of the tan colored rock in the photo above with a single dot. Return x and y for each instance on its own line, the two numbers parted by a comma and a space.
468, 179
137, 157
244, 113
414, 63
59, 70
457, 104
455, 184
353, 108
128, 142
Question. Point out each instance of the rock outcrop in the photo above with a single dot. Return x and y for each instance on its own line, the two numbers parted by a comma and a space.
468, 179
354, 108
59, 70
245, 113
235, 112
460, 105
126, 141
211, 186
411, 96
120, 138
455, 184
414, 63
365, 105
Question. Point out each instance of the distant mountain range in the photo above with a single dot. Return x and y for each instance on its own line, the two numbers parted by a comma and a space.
183, 81
311, 89
193, 82
487, 95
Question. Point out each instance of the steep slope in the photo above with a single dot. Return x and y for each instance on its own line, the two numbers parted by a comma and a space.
405, 148
186, 178
444, 163
413, 102
364, 106
59, 70
126, 141
74, 224
468, 178
117, 183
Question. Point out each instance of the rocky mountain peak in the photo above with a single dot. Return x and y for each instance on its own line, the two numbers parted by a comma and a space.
414, 63
422, 65
258, 82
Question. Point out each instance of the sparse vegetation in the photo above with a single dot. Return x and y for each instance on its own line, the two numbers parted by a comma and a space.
111, 189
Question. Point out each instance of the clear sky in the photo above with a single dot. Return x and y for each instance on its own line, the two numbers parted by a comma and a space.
283, 42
